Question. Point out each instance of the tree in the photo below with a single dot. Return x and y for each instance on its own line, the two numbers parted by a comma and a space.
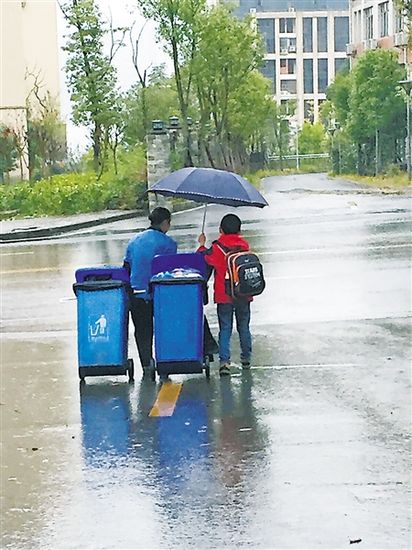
225, 80
377, 111
160, 102
312, 139
8, 152
369, 109
338, 93
46, 138
249, 133
278, 129
178, 26
90, 75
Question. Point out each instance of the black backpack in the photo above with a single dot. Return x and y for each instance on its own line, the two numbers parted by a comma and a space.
244, 273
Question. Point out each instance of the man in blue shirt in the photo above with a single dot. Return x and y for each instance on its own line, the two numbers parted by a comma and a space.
139, 255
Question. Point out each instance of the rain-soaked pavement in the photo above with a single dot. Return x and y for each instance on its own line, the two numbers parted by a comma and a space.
309, 450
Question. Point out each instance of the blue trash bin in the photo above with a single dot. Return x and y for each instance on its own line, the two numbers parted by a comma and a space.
178, 322
102, 322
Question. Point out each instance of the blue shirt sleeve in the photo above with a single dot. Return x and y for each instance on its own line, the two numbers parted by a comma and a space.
171, 246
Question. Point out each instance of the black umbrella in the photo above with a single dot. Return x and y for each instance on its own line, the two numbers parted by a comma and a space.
209, 186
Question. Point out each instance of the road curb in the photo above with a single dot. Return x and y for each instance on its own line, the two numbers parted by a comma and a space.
31, 234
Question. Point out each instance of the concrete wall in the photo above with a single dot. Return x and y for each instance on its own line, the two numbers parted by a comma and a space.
28, 44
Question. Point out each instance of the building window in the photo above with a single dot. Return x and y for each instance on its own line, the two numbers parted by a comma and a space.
368, 24
308, 76
267, 29
288, 106
268, 70
341, 28
384, 19
323, 34
341, 65
288, 66
287, 45
322, 75
288, 86
308, 110
400, 22
287, 25
307, 34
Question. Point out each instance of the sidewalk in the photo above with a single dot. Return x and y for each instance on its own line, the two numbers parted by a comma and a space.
31, 228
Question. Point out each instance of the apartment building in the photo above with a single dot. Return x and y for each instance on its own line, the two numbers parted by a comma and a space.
378, 24
28, 57
305, 44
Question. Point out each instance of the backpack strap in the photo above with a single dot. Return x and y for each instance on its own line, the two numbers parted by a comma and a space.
226, 249
221, 247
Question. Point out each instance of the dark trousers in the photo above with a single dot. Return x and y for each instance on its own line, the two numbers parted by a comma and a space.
142, 315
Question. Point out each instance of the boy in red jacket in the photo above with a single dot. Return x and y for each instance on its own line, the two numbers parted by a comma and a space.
215, 256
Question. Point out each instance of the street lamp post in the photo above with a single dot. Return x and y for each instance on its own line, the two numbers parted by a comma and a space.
334, 126
331, 131
297, 149
407, 86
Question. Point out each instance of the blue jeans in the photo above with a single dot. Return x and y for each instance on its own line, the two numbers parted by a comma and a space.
225, 316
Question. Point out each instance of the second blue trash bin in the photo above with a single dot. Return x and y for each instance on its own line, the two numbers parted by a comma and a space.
102, 322
178, 321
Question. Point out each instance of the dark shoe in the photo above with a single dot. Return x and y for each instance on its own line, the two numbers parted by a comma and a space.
224, 370
245, 365
164, 378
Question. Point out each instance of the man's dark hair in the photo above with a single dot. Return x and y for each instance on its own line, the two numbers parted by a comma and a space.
230, 224
159, 215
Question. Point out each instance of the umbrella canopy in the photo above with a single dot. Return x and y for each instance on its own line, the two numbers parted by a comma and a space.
209, 186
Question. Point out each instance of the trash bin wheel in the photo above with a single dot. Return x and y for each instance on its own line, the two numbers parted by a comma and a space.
207, 366
130, 369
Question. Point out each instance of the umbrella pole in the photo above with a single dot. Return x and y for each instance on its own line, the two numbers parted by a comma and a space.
204, 218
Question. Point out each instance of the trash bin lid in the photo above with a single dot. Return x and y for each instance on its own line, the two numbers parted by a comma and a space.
102, 273
178, 276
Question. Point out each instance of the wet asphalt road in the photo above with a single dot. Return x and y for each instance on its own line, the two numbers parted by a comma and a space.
309, 450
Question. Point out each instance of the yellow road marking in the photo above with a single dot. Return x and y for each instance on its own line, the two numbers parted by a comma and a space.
166, 400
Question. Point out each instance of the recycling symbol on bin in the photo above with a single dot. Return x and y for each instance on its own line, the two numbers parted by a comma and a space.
97, 328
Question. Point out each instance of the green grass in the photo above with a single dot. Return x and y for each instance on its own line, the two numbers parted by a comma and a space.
396, 182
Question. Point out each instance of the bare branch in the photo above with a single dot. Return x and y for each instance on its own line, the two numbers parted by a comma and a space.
64, 12
116, 44
36, 87
135, 55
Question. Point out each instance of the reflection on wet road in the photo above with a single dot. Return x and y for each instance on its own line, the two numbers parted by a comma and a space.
308, 450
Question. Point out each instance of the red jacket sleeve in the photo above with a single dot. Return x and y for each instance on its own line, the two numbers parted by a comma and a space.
213, 255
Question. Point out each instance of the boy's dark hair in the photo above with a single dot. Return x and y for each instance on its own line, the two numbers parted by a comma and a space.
159, 215
230, 224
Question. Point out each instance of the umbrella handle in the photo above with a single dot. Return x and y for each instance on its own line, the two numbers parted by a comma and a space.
204, 218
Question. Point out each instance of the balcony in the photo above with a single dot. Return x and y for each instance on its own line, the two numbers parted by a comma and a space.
371, 44
350, 49
401, 38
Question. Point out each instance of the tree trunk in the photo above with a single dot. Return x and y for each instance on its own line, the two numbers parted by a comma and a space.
209, 156
183, 106
97, 136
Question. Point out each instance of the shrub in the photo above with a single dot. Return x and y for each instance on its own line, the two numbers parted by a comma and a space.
70, 194
78, 193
